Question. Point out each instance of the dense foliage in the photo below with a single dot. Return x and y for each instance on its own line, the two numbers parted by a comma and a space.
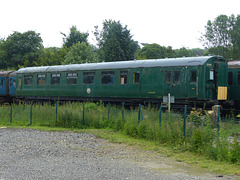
114, 43
81, 53
20, 49
51, 56
74, 37
222, 36
155, 51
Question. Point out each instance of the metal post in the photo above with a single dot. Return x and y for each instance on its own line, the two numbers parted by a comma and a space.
123, 111
169, 102
56, 110
184, 122
160, 116
108, 110
139, 113
31, 115
218, 120
11, 113
83, 115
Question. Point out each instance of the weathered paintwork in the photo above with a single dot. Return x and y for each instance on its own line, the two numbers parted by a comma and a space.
234, 80
188, 78
8, 83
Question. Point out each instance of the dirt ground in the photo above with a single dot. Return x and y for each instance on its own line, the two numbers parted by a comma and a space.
35, 154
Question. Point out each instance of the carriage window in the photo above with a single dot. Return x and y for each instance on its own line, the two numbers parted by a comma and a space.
71, 78
176, 76
14, 83
2, 82
230, 78
193, 76
123, 77
107, 77
28, 79
55, 79
167, 77
211, 75
10, 82
136, 77
41, 79
88, 77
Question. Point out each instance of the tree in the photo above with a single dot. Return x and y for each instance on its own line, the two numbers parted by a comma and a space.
2, 55
218, 35
115, 42
197, 52
51, 56
183, 52
21, 49
154, 51
81, 53
236, 37
74, 37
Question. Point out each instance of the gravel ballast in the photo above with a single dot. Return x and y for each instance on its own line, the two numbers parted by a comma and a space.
35, 154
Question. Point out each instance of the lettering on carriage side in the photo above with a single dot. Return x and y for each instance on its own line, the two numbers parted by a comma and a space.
151, 92
209, 64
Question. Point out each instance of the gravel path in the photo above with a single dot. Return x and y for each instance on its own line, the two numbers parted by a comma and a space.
33, 154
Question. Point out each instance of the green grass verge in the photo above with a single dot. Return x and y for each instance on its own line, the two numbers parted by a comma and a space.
187, 157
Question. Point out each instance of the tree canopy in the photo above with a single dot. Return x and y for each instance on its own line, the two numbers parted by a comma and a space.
222, 37
81, 53
236, 38
154, 51
51, 56
20, 49
74, 37
115, 42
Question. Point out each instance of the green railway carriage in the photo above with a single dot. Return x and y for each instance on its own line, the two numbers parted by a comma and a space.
234, 82
186, 79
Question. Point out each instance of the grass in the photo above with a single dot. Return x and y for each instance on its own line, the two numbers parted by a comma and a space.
187, 157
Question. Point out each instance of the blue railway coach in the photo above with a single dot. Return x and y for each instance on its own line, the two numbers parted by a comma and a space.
7, 85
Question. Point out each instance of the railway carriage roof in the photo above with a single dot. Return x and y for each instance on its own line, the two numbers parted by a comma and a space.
168, 62
6, 73
234, 64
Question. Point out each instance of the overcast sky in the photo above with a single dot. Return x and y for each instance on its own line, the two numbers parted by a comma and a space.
176, 23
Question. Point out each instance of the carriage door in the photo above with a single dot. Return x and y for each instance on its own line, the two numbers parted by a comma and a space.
12, 85
167, 82
172, 83
136, 84
220, 79
2, 86
193, 82
19, 84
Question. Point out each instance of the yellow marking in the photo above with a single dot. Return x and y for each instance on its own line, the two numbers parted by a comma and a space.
222, 93
151, 92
